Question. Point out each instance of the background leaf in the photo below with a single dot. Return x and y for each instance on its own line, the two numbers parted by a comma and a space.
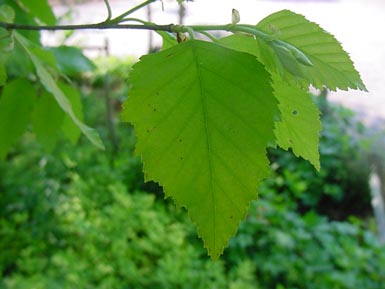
41, 9
15, 107
47, 119
70, 129
23, 17
202, 126
3, 72
71, 61
50, 85
7, 14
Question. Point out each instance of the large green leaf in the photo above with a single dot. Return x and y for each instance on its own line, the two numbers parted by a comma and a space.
51, 86
203, 116
331, 67
300, 123
15, 107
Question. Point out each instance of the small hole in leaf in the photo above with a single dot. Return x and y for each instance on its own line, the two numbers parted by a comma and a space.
294, 112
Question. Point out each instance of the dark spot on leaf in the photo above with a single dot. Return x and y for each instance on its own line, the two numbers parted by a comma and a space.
180, 140
231, 217
294, 112
147, 130
154, 109
181, 158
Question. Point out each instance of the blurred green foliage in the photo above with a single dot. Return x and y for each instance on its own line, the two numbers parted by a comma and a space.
70, 221
294, 251
74, 219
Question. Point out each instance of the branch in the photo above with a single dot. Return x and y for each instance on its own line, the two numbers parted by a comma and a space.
100, 26
146, 26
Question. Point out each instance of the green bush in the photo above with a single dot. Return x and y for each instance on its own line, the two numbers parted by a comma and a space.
294, 251
70, 222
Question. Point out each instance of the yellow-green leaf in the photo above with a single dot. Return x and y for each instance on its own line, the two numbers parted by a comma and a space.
203, 116
331, 65
300, 124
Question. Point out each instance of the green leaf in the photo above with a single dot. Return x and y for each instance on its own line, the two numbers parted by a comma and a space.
15, 106
70, 129
3, 72
40, 9
47, 119
331, 67
203, 125
22, 17
169, 40
241, 42
50, 85
277, 58
6, 41
45, 57
18, 63
7, 14
71, 61
300, 123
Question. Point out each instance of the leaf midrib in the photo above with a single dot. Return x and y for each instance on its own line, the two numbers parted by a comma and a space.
207, 138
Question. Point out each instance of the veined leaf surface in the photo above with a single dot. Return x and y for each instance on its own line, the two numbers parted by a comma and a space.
331, 67
300, 123
203, 115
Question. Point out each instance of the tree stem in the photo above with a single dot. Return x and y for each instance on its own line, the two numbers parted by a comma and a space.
103, 25
145, 26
